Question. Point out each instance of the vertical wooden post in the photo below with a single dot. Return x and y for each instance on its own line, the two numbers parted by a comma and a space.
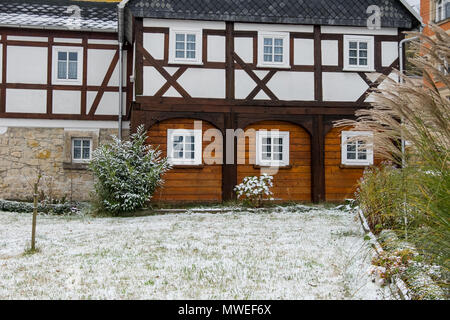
318, 91
229, 44
318, 160
139, 81
35, 204
229, 170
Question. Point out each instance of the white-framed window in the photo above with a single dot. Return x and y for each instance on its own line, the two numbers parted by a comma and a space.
442, 8
273, 49
443, 67
357, 148
185, 46
359, 53
67, 65
184, 147
272, 148
81, 149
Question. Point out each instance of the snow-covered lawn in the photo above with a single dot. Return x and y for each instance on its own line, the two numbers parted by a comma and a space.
293, 253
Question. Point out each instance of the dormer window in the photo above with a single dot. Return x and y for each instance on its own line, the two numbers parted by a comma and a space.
185, 46
273, 49
358, 53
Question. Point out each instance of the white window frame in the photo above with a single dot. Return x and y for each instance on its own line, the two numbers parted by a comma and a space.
286, 49
370, 53
198, 46
80, 62
73, 150
443, 7
369, 148
197, 134
286, 148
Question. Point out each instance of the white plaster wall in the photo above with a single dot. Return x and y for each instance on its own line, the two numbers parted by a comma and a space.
27, 65
103, 41
26, 101
154, 44
69, 124
109, 104
66, 102
389, 53
67, 40
165, 23
114, 81
343, 86
330, 52
216, 49
172, 93
204, 83
272, 27
293, 86
153, 81
243, 84
98, 64
358, 30
304, 52
244, 49
22, 38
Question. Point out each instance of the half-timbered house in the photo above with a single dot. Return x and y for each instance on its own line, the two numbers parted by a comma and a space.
284, 70
290, 66
59, 92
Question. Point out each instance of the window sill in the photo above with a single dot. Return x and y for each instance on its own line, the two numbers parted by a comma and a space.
76, 165
441, 22
284, 167
273, 66
355, 166
193, 63
188, 166
358, 70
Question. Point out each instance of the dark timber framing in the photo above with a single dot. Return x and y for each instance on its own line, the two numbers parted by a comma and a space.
316, 117
51, 35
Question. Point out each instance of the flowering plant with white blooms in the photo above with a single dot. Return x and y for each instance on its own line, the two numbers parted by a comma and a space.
255, 189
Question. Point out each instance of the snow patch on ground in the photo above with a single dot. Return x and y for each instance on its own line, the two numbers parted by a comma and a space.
296, 252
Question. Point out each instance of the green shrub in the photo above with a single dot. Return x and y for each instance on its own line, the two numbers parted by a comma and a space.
127, 173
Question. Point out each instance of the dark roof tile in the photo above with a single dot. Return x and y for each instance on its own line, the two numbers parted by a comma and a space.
324, 12
94, 16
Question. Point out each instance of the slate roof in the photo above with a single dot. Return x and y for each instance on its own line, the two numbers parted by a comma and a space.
54, 14
323, 12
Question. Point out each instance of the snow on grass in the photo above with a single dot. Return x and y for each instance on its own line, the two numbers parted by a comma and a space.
296, 252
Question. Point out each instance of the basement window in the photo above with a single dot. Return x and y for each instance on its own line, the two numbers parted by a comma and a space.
272, 148
67, 65
81, 149
273, 49
357, 148
184, 147
358, 53
185, 46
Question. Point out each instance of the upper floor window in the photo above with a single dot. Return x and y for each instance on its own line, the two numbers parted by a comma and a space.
272, 148
273, 49
67, 65
357, 148
81, 149
184, 147
444, 67
442, 10
359, 53
185, 46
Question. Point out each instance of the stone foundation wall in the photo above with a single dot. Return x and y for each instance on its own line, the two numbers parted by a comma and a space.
25, 151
